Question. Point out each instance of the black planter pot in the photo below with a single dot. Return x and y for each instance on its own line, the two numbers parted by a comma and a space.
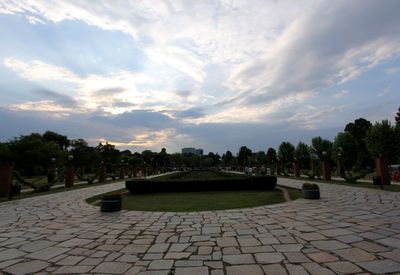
111, 205
312, 194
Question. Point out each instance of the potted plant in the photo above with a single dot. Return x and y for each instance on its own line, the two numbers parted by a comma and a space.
310, 191
111, 202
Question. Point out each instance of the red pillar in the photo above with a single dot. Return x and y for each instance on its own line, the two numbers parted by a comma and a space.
6, 178
382, 169
296, 168
69, 175
326, 170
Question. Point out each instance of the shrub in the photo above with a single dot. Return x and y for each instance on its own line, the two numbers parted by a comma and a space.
353, 176
308, 186
181, 185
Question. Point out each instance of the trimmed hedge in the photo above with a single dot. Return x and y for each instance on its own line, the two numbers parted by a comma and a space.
158, 186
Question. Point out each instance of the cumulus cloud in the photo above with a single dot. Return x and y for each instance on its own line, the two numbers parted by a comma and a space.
340, 94
213, 62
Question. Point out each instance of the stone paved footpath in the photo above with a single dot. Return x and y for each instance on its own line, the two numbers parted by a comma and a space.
350, 230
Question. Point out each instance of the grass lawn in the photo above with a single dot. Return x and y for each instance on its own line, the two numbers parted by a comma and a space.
200, 201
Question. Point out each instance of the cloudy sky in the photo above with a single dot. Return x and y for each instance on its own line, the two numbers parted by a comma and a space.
208, 74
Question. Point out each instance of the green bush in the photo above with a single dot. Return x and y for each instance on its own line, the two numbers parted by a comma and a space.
193, 185
353, 176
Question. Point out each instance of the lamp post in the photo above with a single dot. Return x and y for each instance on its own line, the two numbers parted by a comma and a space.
296, 167
340, 163
121, 170
69, 172
102, 172
51, 171
326, 172
278, 167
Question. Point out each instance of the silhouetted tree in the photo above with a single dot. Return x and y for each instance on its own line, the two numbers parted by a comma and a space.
383, 139
302, 154
244, 155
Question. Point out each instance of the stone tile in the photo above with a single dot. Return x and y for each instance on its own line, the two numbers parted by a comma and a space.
349, 238
8, 263
329, 245
110, 247
135, 248
393, 255
177, 255
370, 246
381, 266
48, 253
244, 269
153, 272
227, 241
27, 267
269, 258
203, 270
214, 264
80, 269
126, 258
134, 270
238, 259
205, 250
322, 257
355, 255
211, 230
335, 232
269, 240
248, 242
36, 245
70, 260
296, 257
391, 242
75, 242
316, 269
274, 269
158, 248
91, 261
178, 247
60, 237
287, 247
257, 249
312, 236
161, 264
153, 256
344, 267
10, 254
183, 263
371, 235
111, 268
296, 269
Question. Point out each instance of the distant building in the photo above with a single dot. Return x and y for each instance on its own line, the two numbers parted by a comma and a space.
193, 151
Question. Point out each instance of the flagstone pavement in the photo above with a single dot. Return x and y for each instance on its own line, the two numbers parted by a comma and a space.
350, 230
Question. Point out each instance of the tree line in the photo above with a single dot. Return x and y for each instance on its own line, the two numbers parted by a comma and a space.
356, 146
